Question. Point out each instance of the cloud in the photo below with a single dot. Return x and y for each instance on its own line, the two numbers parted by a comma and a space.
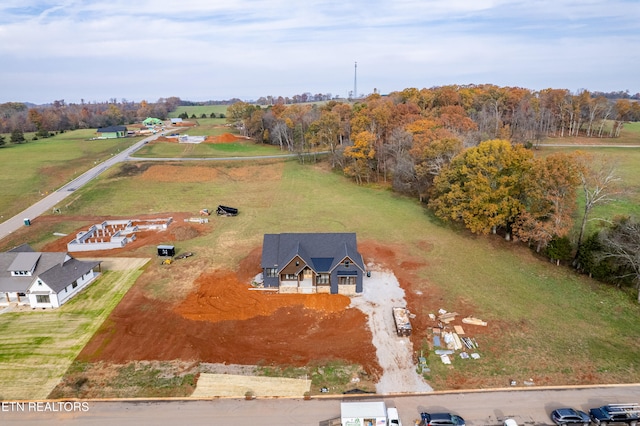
248, 48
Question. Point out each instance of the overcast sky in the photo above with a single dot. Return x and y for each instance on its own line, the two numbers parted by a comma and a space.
200, 50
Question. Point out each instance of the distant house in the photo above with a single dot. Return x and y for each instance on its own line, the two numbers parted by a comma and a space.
42, 279
151, 122
176, 120
312, 263
112, 132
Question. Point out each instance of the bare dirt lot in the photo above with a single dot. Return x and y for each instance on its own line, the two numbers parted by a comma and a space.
190, 314
223, 321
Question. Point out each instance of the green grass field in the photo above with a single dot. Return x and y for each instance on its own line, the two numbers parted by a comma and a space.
556, 325
36, 168
198, 110
38, 346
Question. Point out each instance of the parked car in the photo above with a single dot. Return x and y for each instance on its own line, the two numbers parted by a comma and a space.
569, 416
440, 419
394, 418
616, 414
510, 422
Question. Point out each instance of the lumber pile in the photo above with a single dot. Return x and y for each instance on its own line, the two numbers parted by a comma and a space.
449, 338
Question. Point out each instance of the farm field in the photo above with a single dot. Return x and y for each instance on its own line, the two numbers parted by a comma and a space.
195, 310
37, 346
35, 168
227, 146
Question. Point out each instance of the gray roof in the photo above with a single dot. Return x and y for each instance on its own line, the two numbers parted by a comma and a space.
320, 251
60, 276
112, 129
24, 261
50, 268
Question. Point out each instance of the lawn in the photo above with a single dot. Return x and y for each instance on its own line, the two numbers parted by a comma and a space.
36, 168
38, 346
198, 110
626, 162
549, 323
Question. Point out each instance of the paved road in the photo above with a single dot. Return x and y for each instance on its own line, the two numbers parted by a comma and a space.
50, 201
479, 408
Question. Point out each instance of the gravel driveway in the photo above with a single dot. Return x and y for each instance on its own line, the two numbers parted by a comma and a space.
382, 292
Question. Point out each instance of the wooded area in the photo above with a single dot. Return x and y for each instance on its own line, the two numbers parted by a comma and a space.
464, 150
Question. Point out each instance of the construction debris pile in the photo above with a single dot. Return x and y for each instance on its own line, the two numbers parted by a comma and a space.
449, 338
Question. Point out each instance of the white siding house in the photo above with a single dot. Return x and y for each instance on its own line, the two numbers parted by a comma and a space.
40, 279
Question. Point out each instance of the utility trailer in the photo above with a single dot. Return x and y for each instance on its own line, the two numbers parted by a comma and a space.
401, 319
226, 211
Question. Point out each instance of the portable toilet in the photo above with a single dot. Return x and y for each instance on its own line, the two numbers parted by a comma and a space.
27, 222
166, 251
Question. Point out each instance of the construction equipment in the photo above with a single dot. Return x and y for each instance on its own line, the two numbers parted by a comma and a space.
168, 261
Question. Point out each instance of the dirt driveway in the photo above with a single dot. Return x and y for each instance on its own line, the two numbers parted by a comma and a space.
395, 354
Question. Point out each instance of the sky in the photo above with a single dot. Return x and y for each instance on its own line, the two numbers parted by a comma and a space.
198, 50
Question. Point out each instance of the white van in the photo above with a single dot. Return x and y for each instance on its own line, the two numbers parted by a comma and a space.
394, 419
510, 422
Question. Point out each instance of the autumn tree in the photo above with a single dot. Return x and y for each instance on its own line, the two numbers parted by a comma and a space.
483, 187
359, 157
433, 149
549, 200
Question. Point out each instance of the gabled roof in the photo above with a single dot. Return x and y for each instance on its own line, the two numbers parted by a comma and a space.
24, 261
58, 269
112, 129
60, 276
321, 251
22, 248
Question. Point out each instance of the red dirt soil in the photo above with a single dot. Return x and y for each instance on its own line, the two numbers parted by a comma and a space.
222, 320
223, 138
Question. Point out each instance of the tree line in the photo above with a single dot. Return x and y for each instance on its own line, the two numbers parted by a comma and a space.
465, 151
60, 116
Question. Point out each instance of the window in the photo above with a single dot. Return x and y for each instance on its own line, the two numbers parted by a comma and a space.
272, 272
42, 298
290, 277
346, 280
346, 263
322, 279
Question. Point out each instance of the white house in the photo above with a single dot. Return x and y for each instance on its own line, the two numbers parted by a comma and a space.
41, 279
